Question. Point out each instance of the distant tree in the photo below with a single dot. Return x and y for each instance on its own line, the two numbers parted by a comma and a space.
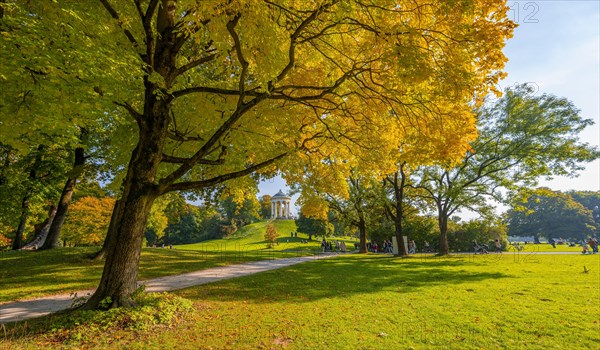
398, 203
590, 200
87, 221
265, 206
313, 226
549, 214
422, 228
361, 208
193, 224
271, 235
240, 212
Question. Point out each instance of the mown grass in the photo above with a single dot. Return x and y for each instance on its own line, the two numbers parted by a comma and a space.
371, 301
26, 274
545, 247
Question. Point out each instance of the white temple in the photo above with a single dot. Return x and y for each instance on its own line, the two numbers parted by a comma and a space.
281, 206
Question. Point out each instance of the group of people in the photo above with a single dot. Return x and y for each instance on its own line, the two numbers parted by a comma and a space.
340, 246
593, 246
386, 247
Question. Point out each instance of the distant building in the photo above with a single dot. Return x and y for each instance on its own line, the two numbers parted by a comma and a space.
281, 206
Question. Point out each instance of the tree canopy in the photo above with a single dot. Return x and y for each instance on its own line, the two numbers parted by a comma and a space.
205, 92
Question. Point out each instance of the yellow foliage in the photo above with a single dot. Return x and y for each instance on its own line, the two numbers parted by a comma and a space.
87, 221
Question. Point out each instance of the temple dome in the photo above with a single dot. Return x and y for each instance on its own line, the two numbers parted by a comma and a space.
280, 194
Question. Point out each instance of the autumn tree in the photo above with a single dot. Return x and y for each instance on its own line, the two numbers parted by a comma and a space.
217, 91
271, 235
87, 221
265, 206
522, 137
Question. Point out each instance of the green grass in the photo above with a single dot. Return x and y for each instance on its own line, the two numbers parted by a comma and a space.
514, 301
250, 239
26, 274
545, 247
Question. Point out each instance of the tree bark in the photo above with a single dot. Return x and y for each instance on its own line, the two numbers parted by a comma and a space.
443, 225
64, 201
362, 229
42, 232
399, 207
18, 241
126, 232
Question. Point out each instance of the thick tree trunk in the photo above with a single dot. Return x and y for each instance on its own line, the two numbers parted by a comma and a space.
42, 232
399, 183
18, 241
443, 225
362, 229
125, 236
65, 200
400, 238
119, 279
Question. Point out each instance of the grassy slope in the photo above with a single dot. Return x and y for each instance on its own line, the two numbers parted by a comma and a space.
251, 238
377, 302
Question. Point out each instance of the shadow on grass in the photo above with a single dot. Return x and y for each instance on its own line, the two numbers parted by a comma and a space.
30, 274
343, 277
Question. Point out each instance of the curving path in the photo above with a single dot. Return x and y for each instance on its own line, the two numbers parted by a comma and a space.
23, 310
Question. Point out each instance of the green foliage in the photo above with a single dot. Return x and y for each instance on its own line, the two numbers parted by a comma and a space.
550, 214
591, 201
152, 311
193, 224
313, 226
421, 229
240, 212
485, 231
36, 178
522, 138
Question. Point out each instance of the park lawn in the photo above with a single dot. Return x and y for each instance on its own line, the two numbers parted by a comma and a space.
545, 247
27, 274
380, 302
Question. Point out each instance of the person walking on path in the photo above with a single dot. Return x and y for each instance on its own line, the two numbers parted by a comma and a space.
498, 246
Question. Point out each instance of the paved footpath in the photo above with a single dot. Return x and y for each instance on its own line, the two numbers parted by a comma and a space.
22, 310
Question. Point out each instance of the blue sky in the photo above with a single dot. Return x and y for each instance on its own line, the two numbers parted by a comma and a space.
557, 48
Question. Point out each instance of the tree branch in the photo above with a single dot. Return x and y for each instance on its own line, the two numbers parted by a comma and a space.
190, 185
115, 15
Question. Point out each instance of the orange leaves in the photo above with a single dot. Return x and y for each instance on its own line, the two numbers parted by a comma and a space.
87, 221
